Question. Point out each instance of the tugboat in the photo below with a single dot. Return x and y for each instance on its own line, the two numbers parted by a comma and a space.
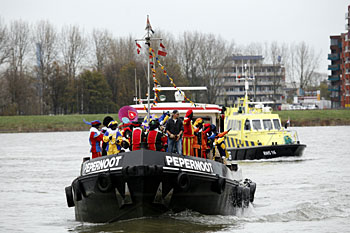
143, 182
150, 183
257, 133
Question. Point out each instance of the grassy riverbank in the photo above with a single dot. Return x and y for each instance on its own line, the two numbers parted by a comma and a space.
13, 124
316, 117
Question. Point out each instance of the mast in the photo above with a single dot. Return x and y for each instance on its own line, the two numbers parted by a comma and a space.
148, 39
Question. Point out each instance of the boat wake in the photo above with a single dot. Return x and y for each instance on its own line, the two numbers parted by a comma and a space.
295, 159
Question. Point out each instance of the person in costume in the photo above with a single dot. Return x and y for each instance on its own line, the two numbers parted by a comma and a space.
105, 122
137, 135
188, 134
155, 139
114, 139
221, 153
95, 138
200, 139
208, 146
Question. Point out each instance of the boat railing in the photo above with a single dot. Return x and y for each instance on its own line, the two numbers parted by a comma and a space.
293, 133
285, 132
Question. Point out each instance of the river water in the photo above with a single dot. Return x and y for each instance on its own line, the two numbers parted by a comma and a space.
301, 194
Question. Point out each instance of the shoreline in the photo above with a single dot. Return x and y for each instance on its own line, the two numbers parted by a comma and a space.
69, 123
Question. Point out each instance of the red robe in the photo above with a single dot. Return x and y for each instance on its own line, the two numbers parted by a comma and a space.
188, 138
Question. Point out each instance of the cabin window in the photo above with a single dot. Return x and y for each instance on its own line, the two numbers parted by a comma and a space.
277, 124
256, 124
267, 124
247, 125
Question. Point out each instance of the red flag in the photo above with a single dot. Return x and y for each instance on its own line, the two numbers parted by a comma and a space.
138, 45
161, 50
162, 53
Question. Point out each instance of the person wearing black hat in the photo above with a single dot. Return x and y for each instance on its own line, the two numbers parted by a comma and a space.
105, 130
155, 139
174, 129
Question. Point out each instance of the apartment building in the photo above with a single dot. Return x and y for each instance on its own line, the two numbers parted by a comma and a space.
266, 83
339, 78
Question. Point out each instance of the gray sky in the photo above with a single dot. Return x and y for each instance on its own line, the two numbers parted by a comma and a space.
243, 21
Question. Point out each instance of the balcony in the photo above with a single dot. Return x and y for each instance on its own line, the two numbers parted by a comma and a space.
333, 67
334, 78
347, 27
334, 88
333, 56
347, 15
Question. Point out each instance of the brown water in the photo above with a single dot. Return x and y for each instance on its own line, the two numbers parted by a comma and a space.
303, 194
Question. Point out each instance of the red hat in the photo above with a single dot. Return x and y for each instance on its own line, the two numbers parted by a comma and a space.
188, 113
207, 128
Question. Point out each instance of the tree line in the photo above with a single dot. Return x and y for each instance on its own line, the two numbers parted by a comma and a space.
45, 70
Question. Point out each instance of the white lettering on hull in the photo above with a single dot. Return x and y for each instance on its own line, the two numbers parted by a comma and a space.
101, 164
190, 164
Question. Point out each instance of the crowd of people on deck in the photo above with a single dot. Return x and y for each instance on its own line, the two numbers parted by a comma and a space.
166, 133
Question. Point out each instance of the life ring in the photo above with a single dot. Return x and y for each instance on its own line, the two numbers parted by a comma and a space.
104, 182
220, 185
183, 181
69, 196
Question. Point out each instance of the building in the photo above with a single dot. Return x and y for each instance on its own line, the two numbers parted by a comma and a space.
335, 77
266, 80
339, 79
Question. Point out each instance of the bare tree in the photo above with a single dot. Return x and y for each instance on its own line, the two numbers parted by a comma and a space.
189, 55
74, 49
101, 46
305, 62
213, 53
4, 47
17, 80
45, 40
275, 54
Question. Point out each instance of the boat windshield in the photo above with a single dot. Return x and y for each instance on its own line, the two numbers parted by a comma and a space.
276, 124
267, 124
256, 124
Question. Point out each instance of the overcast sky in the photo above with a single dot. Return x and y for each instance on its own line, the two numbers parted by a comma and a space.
243, 21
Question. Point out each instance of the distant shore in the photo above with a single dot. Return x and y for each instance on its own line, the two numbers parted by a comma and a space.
57, 123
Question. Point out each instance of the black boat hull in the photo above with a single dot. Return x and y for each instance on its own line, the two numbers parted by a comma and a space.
267, 152
145, 184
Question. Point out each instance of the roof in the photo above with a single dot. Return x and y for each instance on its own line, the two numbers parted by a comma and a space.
182, 107
240, 57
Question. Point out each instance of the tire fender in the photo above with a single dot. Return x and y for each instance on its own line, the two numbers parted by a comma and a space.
69, 196
183, 181
104, 182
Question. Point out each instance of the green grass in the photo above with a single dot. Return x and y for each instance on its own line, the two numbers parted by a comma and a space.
316, 117
48, 123
14, 124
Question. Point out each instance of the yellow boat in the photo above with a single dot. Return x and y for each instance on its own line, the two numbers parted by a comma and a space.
257, 133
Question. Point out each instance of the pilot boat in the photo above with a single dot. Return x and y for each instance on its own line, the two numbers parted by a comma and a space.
257, 133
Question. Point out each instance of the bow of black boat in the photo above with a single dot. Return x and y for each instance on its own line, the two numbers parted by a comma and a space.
149, 183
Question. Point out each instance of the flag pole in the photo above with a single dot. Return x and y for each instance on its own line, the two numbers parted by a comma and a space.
148, 40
